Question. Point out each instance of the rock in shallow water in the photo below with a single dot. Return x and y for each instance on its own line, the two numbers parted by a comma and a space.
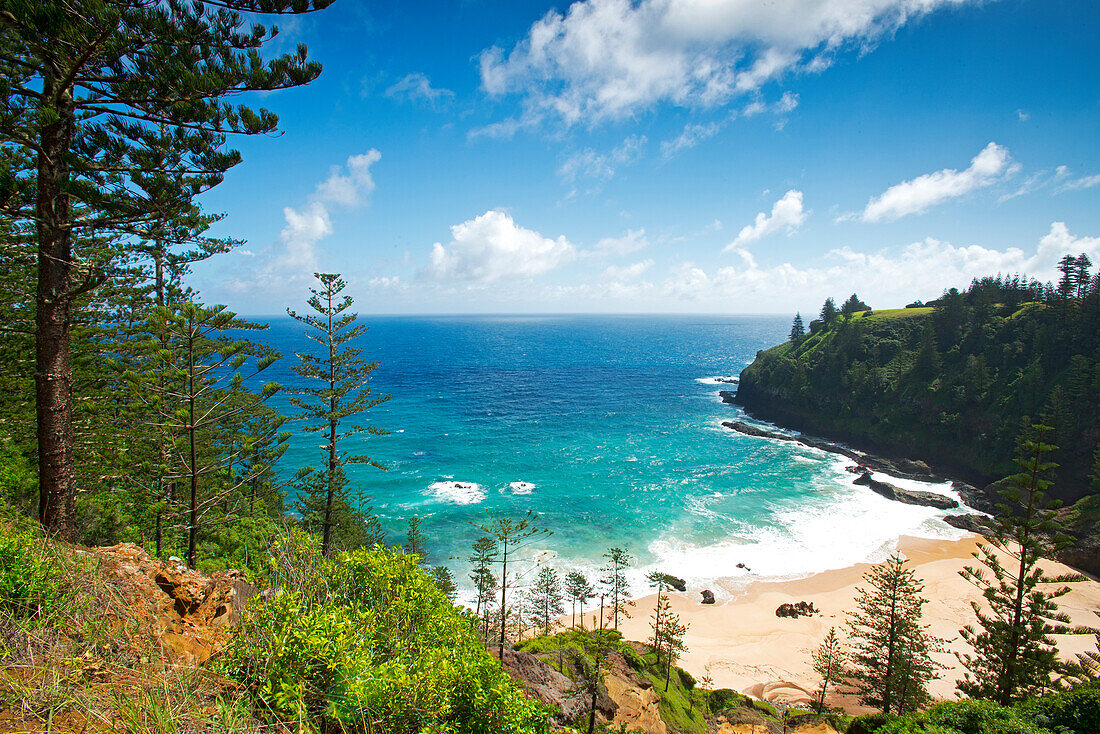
708, 596
908, 496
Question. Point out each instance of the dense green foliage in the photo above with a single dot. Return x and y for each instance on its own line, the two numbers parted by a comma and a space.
953, 384
890, 657
1072, 712
366, 641
30, 585
1014, 653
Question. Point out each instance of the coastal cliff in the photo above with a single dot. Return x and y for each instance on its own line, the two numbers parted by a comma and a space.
952, 384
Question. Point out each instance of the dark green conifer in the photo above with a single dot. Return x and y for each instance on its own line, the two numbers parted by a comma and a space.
890, 658
615, 584
98, 96
337, 391
797, 329
1014, 653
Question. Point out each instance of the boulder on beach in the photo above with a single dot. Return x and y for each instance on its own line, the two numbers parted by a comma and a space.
796, 609
708, 596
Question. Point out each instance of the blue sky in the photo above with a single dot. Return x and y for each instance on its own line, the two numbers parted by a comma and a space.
717, 156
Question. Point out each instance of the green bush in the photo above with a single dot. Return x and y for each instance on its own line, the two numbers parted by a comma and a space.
30, 587
367, 641
18, 480
965, 717
869, 723
1076, 711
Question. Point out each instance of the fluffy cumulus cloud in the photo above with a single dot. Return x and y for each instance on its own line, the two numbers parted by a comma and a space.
346, 186
609, 59
919, 194
884, 279
787, 215
292, 261
418, 88
493, 247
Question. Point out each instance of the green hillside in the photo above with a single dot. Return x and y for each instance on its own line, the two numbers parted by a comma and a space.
953, 382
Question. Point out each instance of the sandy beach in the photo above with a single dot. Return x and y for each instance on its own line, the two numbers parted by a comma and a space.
746, 647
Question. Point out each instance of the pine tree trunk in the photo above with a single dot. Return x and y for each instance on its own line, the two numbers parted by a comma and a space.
53, 317
193, 519
503, 586
326, 542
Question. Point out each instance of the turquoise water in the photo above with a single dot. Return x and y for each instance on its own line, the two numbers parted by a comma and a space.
609, 428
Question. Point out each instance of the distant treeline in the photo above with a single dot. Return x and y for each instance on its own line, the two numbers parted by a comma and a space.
953, 381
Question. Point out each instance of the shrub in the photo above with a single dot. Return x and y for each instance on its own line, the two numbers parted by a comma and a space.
964, 717
1076, 711
370, 642
869, 723
30, 587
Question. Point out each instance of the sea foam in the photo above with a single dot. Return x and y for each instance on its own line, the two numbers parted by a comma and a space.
458, 493
521, 487
842, 525
719, 380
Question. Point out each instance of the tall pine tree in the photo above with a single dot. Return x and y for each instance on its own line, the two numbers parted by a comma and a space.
1014, 653
98, 95
891, 651
337, 391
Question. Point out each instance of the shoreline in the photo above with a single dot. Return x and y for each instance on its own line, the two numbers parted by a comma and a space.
747, 648
973, 498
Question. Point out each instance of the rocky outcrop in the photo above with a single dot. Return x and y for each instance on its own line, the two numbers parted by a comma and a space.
543, 682
908, 496
969, 522
673, 582
637, 708
796, 609
185, 611
708, 596
903, 468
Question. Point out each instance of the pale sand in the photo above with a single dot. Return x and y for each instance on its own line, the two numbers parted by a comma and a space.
743, 644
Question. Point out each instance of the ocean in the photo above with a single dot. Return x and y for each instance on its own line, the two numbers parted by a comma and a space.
608, 427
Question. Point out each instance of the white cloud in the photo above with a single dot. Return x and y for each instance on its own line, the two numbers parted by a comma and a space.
917, 195
493, 247
1085, 182
1037, 181
632, 241
417, 87
307, 226
787, 214
884, 279
588, 163
347, 189
692, 135
296, 258
627, 272
609, 59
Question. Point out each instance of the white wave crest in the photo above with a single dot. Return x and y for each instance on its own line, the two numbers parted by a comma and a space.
458, 493
521, 487
719, 380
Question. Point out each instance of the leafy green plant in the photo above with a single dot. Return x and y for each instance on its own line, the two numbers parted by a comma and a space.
366, 640
30, 586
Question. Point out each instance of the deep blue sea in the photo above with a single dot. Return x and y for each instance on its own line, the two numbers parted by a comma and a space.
609, 427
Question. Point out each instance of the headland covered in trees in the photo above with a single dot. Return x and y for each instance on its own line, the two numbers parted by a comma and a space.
138, 415
955, 382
